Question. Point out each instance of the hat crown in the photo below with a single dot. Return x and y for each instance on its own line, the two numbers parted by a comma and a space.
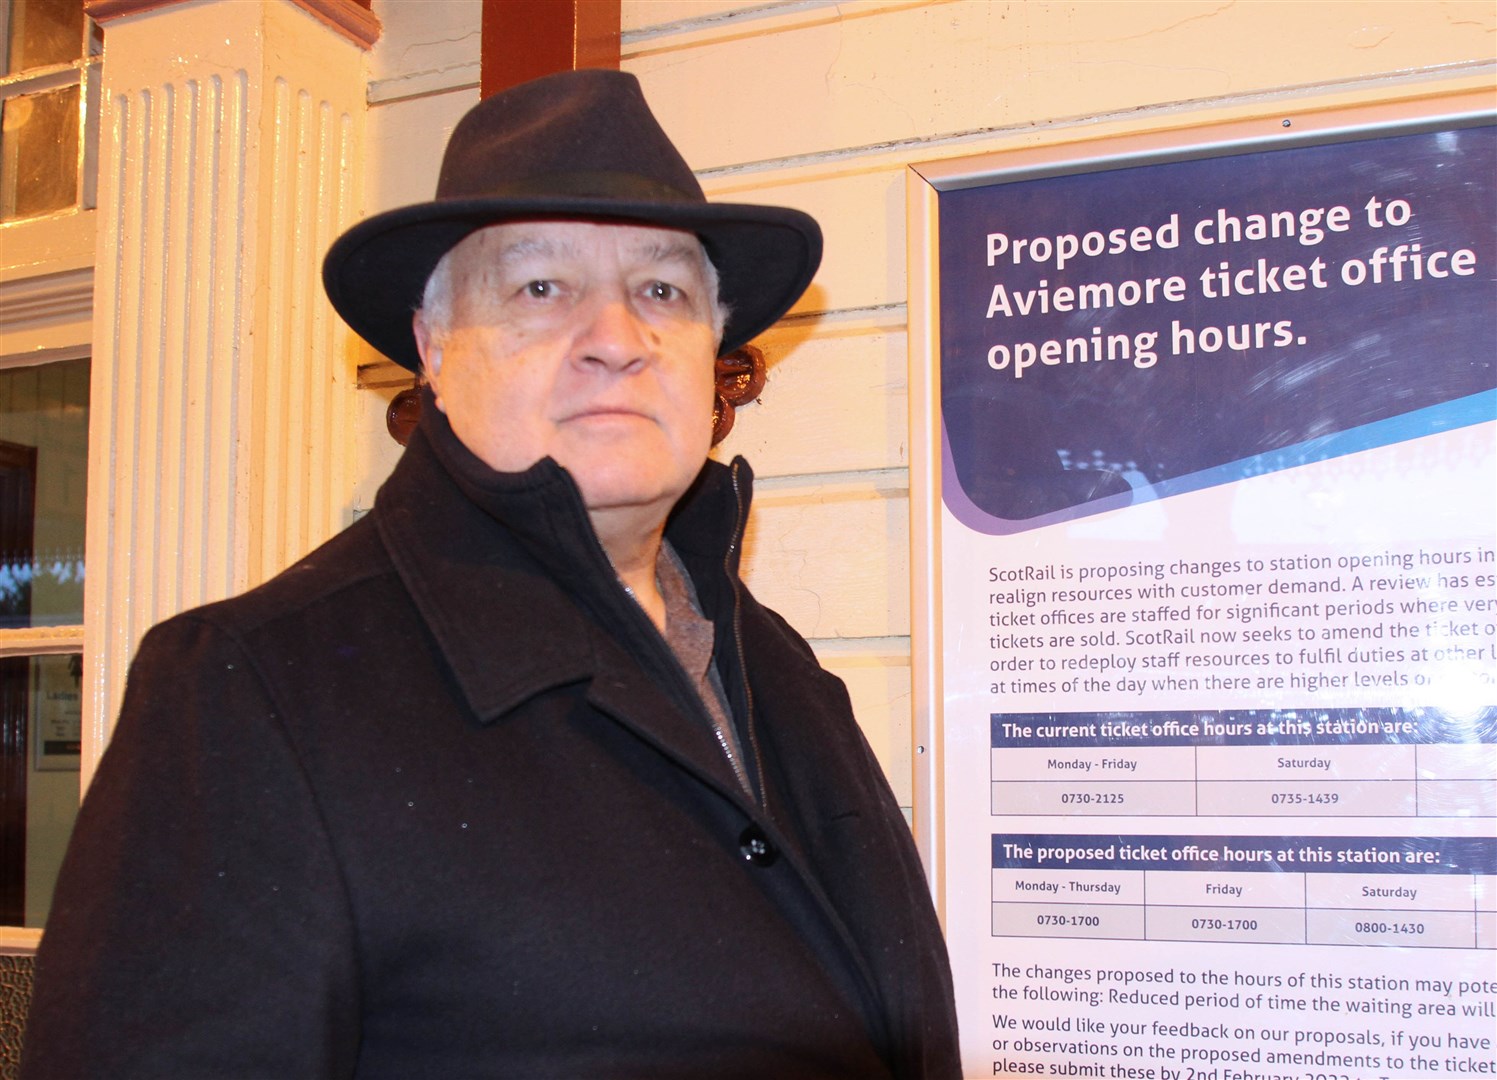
577, 133
581, 145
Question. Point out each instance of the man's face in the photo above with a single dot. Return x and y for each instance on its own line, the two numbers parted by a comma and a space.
590, 343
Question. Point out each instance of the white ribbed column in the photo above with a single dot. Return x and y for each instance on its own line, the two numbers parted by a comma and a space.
223, 385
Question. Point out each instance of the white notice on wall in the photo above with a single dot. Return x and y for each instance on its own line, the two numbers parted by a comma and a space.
1217, 550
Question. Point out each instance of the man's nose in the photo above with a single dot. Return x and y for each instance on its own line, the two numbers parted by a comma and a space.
614, 336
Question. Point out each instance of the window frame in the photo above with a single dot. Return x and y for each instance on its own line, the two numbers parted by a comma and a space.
46, 315
28, 642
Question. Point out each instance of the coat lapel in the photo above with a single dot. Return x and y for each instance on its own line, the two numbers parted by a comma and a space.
478, 568
481, 553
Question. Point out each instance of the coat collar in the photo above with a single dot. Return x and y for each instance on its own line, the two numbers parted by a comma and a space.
486, 554
520, 598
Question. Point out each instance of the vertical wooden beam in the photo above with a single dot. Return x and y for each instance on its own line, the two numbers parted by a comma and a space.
524, 39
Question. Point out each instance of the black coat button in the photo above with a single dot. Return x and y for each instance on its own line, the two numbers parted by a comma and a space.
756, 847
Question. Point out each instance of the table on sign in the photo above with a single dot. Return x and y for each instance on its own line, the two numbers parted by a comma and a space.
1425, 892
1402, 780
1299, 909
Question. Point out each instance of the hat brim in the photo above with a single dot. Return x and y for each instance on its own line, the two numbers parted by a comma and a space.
376, 272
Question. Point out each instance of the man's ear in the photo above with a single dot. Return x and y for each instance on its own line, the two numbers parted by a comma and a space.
431, 356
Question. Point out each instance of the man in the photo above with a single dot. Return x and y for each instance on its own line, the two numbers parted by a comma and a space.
513, 777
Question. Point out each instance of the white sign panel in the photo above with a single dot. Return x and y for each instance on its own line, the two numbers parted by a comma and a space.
1208, 656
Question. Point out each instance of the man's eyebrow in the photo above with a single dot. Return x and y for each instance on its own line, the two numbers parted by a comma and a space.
525, 247
684, 251
688, 252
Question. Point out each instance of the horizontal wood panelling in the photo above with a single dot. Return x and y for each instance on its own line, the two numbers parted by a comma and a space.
862, 218
834, 402
832, 556
655, 17
865, 79
406, 141
424, 48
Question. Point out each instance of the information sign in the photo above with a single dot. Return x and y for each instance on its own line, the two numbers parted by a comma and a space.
1205, 478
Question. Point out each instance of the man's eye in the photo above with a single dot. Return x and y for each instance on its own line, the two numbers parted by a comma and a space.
662, 290
540, 290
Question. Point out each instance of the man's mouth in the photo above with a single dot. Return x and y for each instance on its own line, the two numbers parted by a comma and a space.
603, 414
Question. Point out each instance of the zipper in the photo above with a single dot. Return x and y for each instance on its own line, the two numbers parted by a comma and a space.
737, 766
739, 770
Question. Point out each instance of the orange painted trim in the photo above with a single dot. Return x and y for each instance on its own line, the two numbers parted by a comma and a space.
351, 18
525, 39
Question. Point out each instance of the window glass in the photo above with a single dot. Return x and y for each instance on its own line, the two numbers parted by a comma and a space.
39, 153
43, 483
44, 32
40, 732
49, 94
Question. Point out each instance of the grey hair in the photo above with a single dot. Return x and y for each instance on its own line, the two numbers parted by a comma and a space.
436, 297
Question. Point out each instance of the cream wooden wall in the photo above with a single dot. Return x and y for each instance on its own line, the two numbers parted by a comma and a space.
423, 75
823, 106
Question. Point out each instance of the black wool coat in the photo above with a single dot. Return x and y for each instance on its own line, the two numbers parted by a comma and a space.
439, 802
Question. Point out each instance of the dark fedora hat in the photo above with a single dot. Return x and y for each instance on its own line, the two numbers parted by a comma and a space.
578, 144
